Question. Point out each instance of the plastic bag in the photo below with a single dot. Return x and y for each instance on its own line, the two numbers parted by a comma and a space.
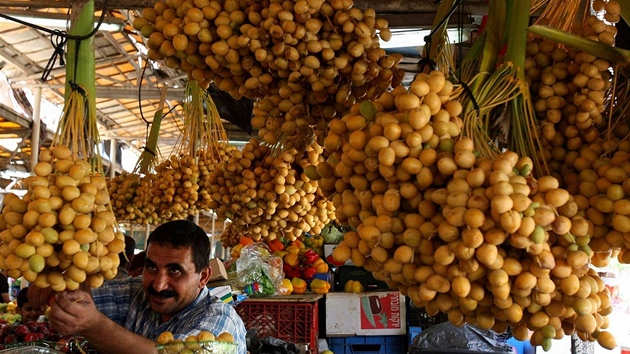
254, 346
448, 338
271, 345
268, 345
258, 271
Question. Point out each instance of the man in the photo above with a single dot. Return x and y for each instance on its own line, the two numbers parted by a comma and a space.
125, 257
24, 308
126, 315
4, 287
136, 265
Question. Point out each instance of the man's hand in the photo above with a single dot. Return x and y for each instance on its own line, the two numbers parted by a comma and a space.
74, 312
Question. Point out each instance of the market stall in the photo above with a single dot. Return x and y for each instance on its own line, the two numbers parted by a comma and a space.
480, 196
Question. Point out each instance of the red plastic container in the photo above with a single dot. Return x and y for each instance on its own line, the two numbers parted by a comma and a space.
292, 319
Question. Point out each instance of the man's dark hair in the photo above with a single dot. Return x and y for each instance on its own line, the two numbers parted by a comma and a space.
184, 234
22, 297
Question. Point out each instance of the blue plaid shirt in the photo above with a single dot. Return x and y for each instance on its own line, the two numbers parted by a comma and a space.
124, 302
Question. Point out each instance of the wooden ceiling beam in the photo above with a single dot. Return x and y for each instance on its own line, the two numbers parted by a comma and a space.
115, 92
473, 7
65, 4
418, 20
408, 20
399, 13
12, 116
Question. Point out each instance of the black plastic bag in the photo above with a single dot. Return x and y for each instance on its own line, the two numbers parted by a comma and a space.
271, 345
448, 338
254, 346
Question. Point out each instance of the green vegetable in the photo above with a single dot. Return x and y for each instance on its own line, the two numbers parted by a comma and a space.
332, 233
264, 282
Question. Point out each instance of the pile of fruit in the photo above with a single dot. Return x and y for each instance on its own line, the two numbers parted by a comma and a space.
244, 47
301, 264
202, 343
386, 151
314, 242
7, 313
62, 232
299, 261
41, 334
300, 286
7, 307
10, 317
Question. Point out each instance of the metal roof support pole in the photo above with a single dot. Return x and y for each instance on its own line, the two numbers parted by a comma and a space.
147, 232
36, 127
213, 245
225, 251
112, 158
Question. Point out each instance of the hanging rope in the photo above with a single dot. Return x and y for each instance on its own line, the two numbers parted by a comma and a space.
144, 69
76, 59
58, 40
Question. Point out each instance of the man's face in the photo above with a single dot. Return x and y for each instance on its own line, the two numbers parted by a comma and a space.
29, 314
169, 279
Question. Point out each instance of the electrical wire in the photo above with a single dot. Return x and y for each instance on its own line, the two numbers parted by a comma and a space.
59, 39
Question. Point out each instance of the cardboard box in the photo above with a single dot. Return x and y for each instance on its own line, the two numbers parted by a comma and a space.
218, 270
375, 313
222, 292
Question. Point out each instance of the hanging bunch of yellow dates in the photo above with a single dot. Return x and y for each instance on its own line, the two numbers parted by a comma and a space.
266, 194
63, 231
305, 60
573, 76
130, 192
476, 238
180, 185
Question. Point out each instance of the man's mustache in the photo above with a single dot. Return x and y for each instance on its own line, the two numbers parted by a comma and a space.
161, 294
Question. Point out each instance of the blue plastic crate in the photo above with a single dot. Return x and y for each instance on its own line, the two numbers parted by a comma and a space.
367, 344
522, 347
413, 332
